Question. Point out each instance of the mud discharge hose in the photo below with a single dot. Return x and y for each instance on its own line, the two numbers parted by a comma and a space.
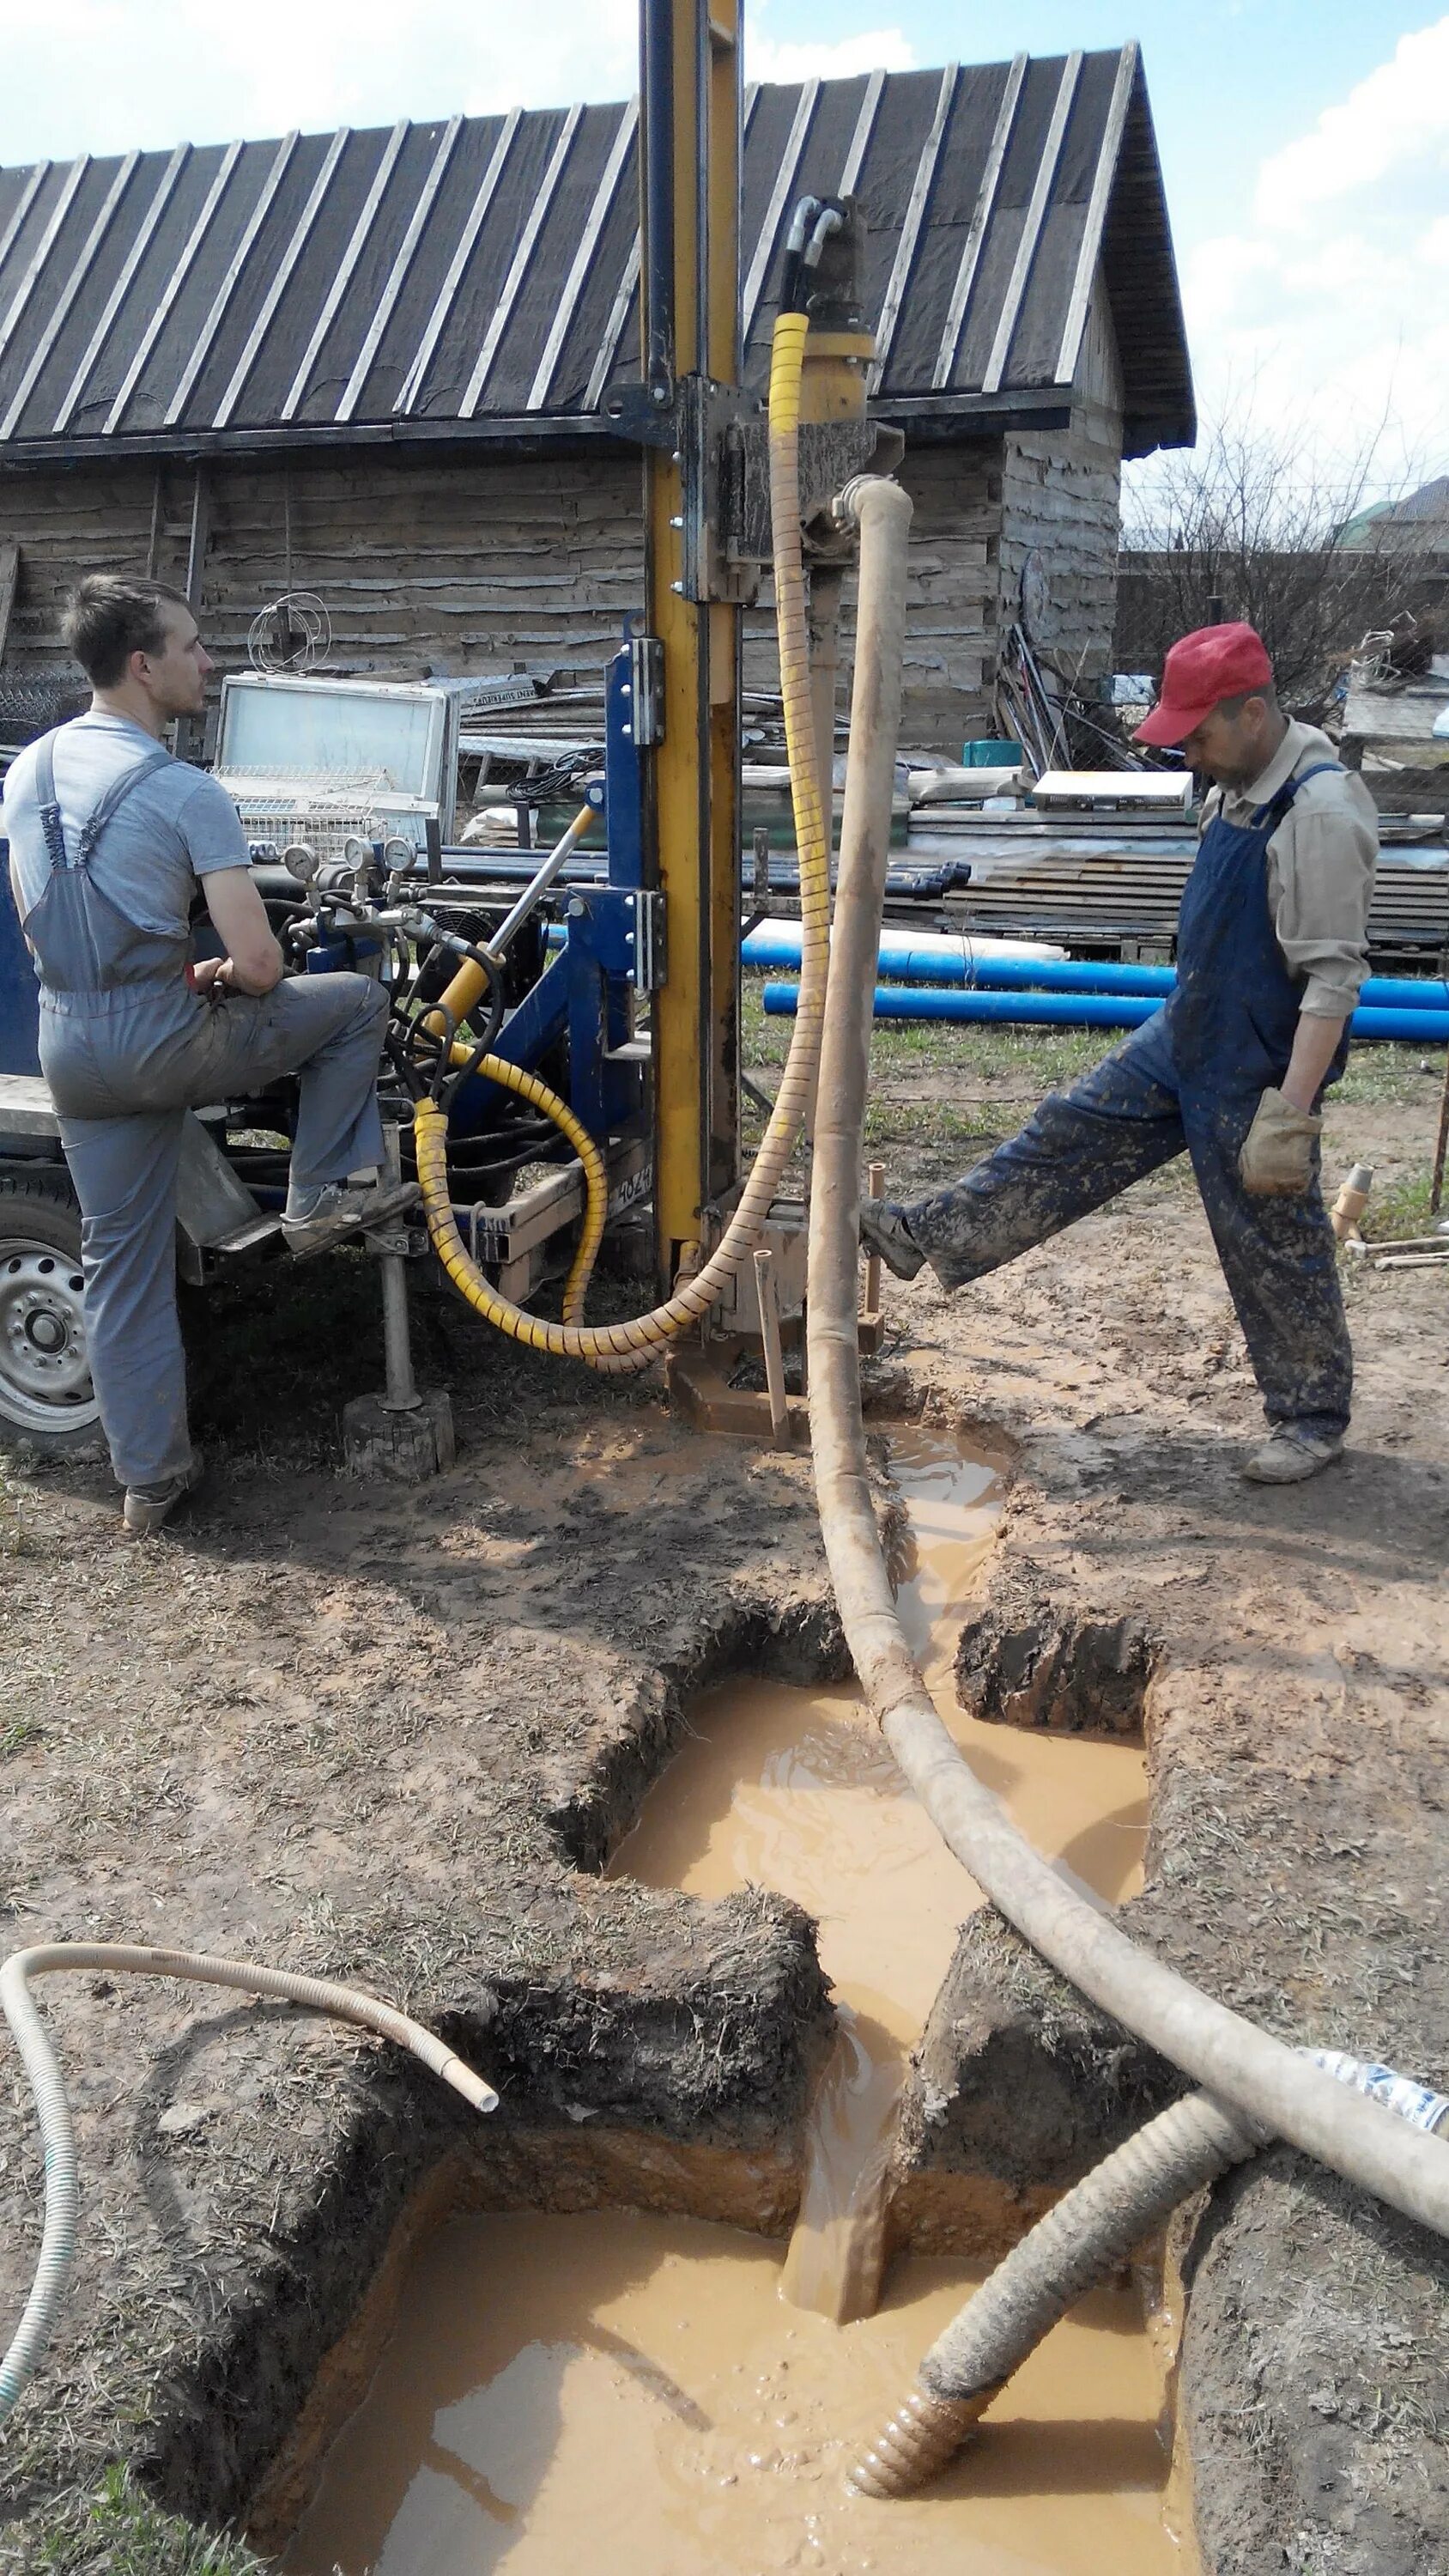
1083, 2240
1254, 2079
57, 2249
1091, 2230
620, 1349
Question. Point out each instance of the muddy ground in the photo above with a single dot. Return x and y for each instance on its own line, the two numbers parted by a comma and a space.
389, 1735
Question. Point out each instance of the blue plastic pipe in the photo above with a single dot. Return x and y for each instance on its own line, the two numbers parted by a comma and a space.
1085, 1011
900, 963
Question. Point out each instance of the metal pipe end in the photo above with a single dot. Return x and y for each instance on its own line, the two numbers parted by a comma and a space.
921, 2439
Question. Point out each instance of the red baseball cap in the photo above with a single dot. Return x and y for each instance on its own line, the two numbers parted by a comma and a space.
1213, 663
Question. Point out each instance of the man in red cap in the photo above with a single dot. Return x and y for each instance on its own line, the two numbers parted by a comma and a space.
1271, 948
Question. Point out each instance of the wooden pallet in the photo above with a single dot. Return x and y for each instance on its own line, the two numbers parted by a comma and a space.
1127, 900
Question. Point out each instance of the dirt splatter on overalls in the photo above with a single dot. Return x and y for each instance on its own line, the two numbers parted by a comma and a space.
1189, 1080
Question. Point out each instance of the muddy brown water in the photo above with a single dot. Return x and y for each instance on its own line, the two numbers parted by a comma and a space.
647, 2395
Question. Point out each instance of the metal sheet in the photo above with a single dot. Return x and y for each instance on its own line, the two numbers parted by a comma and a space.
1031, 231
981, 217
910, 230
599, 213
177, 280
362, 366
487, 190
518, 270
285, 265
232, 279
346, 265
61, 308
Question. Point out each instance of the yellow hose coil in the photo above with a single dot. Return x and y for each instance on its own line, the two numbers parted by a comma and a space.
529, 1087
619, 1349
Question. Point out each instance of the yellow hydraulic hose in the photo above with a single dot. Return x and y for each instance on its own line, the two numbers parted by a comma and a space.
619, 1349
529, 1087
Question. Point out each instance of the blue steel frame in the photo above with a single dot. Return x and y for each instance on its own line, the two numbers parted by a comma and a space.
585, 992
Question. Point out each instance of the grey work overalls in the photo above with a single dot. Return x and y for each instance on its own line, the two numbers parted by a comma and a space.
127, 1048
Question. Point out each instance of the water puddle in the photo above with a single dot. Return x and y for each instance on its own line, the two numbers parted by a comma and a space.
647, 2396
628, 2396
794, 1790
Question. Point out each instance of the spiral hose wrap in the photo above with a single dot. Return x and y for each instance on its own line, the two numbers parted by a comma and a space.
621, 1349
1082, 2240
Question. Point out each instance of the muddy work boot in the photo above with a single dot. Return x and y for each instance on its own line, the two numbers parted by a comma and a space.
1289, 1457
883, 1229
315, 1218
147, 1507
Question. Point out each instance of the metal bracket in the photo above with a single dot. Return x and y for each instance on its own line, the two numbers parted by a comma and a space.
643, 412
651, 955
715, 422
831, 451
646, 691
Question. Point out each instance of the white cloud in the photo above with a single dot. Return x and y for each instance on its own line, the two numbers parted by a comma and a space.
102, 75
1394, 118
1330, 299
886, 50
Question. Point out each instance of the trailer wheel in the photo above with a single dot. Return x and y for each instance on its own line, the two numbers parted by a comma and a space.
46, 1396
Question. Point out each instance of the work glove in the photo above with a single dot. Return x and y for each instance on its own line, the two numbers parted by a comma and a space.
1277, 1155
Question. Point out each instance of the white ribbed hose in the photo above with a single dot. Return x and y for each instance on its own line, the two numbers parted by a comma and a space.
1242, 2066
57, 2249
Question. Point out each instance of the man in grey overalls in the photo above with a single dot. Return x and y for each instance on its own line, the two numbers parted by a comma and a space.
109, 838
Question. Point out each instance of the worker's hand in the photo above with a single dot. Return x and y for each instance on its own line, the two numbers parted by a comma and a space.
1277, 1156
206, 974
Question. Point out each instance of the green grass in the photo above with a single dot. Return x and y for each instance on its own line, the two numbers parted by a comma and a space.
1402, 1208
115, 2531
1037, 1060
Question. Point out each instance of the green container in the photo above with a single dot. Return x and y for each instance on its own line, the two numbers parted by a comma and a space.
991, 755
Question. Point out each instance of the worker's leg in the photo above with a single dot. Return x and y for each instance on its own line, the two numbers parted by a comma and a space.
1080, 1148
327, 1029
124, 1170
1280, 1261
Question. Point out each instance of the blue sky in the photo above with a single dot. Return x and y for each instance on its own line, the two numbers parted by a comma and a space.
1305, 148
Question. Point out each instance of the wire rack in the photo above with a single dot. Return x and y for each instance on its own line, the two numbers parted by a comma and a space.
277, 807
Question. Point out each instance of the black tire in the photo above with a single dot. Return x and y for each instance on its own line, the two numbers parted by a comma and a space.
47, 1400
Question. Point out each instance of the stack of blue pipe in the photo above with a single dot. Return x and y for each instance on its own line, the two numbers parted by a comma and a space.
1071, 993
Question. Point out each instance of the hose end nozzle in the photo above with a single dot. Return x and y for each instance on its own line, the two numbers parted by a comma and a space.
921, 2439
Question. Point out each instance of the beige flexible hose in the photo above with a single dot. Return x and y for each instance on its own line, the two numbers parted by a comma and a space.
620, 1349
1088, 2234
316, 1994
1256, 2075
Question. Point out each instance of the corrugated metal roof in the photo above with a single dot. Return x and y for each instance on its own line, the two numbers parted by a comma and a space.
479, 277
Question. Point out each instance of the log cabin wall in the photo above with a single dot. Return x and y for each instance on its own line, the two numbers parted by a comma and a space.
1061, 500
447, 566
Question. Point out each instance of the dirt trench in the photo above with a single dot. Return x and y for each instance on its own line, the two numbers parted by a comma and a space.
393, 1736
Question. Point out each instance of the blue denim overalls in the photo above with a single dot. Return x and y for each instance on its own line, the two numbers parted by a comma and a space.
1189, 1079
127, 1048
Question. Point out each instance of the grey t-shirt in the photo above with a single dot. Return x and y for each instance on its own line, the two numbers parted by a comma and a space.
178, 825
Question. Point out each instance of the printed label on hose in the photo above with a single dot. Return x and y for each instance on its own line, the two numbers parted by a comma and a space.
1414, 2102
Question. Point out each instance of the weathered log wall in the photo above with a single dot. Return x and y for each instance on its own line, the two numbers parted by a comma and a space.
434, 564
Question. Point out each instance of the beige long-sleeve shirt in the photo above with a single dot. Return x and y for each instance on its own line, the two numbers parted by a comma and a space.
1321, 863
